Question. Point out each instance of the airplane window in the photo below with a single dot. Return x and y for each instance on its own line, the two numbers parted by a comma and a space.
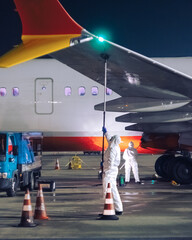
67, 91
3, 91
81, 91
108, 91
15, 91
95, 91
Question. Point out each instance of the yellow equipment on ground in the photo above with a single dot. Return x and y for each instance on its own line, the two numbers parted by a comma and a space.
75, 163
174, 183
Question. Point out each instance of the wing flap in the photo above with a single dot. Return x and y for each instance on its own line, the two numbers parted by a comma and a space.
155, 117
139, 104
161, 127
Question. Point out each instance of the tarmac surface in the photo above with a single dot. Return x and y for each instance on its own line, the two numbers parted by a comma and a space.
155, 209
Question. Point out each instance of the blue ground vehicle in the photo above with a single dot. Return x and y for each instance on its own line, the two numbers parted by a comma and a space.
19, 166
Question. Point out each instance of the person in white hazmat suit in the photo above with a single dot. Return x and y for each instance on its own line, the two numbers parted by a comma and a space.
130, 157
112, 158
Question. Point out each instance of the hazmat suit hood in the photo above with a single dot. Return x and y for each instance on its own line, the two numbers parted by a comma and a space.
114, 141
131, 144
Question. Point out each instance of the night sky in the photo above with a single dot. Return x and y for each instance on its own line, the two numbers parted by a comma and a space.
155, 28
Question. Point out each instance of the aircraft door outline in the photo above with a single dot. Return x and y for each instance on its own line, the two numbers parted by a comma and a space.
44, 95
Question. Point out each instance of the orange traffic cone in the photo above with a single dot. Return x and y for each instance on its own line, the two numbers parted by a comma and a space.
40, 212
109, 210
57, 165
27, 214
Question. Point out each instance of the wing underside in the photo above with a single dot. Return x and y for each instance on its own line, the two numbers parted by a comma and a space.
151, 93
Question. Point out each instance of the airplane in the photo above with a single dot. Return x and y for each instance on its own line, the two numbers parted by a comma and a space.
62, 97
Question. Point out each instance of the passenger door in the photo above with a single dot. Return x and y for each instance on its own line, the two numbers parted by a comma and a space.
44, 96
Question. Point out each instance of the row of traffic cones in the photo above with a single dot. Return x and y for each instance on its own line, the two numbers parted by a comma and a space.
27, 218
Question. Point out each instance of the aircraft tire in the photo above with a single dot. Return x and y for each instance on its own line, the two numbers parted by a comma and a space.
161, 165
182, 171
170, 167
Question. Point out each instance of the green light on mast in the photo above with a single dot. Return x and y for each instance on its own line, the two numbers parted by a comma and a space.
101, 39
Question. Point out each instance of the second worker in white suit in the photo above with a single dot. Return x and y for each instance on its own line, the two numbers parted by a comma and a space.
130, 157
112, 158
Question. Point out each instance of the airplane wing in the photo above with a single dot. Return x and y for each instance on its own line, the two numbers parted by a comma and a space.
154, 92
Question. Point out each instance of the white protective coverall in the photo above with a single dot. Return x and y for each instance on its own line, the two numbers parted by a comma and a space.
112, 158
130, 157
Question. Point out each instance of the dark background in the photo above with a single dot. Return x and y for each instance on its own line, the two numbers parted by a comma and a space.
155, 28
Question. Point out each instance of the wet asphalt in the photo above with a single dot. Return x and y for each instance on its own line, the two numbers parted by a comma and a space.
155, 209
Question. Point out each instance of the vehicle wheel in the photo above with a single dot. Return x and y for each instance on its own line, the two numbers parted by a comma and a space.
32, 182
182, 171
11, 192
161, 165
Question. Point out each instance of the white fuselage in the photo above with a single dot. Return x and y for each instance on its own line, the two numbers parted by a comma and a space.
42, 106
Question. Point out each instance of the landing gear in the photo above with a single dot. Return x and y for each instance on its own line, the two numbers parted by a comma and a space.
174, 168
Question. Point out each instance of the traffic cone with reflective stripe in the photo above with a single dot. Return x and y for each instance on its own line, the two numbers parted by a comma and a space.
40, 211
27, 214
57, 166
109, 210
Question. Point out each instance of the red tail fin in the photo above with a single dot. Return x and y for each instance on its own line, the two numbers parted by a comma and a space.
45, 17
47, 28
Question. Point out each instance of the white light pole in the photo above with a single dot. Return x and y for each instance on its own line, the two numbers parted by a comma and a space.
105, 57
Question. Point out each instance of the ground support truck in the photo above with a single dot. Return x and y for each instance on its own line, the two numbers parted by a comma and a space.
20, 166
